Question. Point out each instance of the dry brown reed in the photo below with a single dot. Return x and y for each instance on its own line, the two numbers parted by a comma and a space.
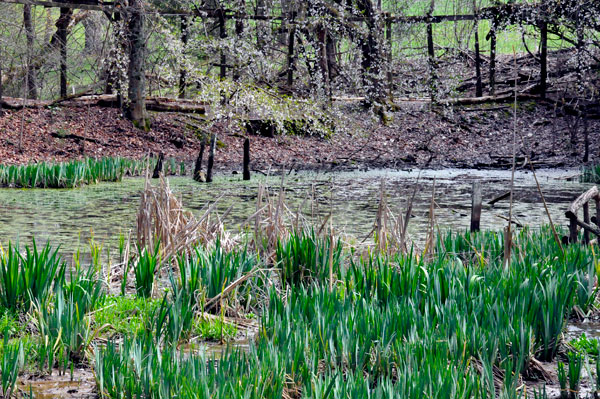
391, 230
161, 217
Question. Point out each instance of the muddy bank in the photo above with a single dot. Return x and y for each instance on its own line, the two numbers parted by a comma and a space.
416, 136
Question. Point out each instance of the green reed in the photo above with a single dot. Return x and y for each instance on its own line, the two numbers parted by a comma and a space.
304, 258
590, 174
69, 174
28, 277
13, 358
145, 268
388, 326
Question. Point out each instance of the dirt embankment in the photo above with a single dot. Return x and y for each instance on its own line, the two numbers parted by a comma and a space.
417, 136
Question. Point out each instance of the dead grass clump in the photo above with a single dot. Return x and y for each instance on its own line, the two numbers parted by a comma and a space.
161, 217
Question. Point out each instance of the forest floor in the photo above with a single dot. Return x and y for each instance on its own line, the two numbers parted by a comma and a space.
417, 136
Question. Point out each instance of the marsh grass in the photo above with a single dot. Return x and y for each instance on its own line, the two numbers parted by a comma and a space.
13, 359
68, 174
29, 276
304, 258
391, 325
590, 174
145, 267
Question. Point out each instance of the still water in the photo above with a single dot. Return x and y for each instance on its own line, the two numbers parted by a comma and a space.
71, 217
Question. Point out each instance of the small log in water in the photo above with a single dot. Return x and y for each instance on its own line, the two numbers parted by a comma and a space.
476, 207
158, 169
247, 159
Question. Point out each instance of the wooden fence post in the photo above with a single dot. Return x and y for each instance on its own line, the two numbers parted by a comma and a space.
476, 207
572, 229
247, 159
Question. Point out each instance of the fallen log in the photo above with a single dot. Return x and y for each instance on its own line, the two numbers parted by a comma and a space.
581, 200
157, 104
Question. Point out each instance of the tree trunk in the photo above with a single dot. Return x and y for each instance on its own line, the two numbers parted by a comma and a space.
239, 32
322, 57
61, 33
93, 26
431, 56
137, 53
372, 56
544, 59
492, 36
479, 84
182, 67
261, 10
30, 33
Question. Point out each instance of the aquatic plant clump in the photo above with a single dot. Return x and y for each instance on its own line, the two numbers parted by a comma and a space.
590, 174
457, 324
69, 174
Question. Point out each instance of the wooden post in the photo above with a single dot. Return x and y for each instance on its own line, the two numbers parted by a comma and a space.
290, 54
586, 219
492, 36
247, 159
476, 207
158, 169
198, 165
211, 157
544, 60
222, 35
572, 229
182, 68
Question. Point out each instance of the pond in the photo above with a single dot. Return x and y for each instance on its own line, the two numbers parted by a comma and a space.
71, 217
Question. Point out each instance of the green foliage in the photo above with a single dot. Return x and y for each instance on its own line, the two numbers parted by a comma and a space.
65, 329
125, 315
208, 272
13, 359
145, 268
214, 329
304, 258
585, 345
69, 174
590, 174
575, 367
562, 380
393, 326
28, 278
